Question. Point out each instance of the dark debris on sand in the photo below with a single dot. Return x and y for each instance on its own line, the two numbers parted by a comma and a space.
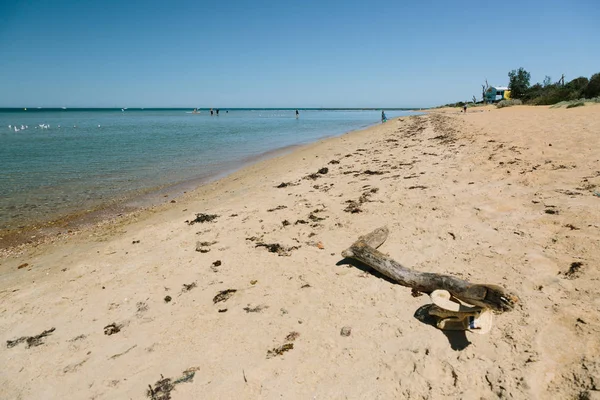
32, 341
204, 244
112, 329
164, 386
574, 270
277, 248
276, 208
188, 286
286, 184
204, 247
369, 172
201, 218
256, 309
352, 207
317, 174
365, 197
223, 295
161, 390
314, 218
277, 351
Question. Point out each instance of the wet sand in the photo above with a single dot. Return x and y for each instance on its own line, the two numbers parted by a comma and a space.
46, 230
505, 197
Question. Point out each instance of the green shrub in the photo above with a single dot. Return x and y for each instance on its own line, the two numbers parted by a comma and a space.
560, 104
578, 84
593, 87
549, 94
555, 94
533, 92
577, 104
509, 103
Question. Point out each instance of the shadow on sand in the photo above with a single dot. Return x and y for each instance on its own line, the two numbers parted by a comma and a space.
365, 268
457, 339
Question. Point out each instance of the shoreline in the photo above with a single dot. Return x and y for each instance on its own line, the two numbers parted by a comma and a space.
259, 303
32, 202
80, 221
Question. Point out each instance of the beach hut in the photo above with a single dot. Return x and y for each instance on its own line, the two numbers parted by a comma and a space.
497, 93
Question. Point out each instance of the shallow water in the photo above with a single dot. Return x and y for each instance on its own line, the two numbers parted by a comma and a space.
85, 159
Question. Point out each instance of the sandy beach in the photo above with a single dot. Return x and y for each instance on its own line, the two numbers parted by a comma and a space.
252, 302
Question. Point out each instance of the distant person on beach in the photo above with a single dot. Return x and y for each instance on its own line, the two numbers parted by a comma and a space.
465, 108
297, 114
383, 117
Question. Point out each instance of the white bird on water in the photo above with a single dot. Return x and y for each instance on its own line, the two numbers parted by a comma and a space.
10, 127
17, 129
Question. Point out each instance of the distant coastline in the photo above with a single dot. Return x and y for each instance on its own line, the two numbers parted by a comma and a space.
79, 109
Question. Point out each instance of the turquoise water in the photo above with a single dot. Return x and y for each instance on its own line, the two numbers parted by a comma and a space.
85, 159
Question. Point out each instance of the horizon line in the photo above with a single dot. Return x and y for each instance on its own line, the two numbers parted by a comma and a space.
206, 108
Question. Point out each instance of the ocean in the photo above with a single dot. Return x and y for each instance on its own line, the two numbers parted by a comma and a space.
67, 162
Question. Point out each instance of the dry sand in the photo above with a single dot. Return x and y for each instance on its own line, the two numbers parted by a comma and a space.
494, 196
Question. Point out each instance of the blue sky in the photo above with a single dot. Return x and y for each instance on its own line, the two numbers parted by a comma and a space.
284, 53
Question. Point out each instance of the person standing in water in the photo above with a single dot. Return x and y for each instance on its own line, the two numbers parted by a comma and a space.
297, 114
383, 117
211, 112
217, 111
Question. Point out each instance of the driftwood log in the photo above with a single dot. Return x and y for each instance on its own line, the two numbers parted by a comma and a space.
482, 295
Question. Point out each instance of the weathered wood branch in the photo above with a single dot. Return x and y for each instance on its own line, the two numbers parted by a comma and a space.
482, 295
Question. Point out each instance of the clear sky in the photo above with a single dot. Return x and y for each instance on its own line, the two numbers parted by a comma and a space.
284, 53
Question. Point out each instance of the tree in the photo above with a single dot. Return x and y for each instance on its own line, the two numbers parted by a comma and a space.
578, 83
593, 87
484, 89
547, 81
518, 82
